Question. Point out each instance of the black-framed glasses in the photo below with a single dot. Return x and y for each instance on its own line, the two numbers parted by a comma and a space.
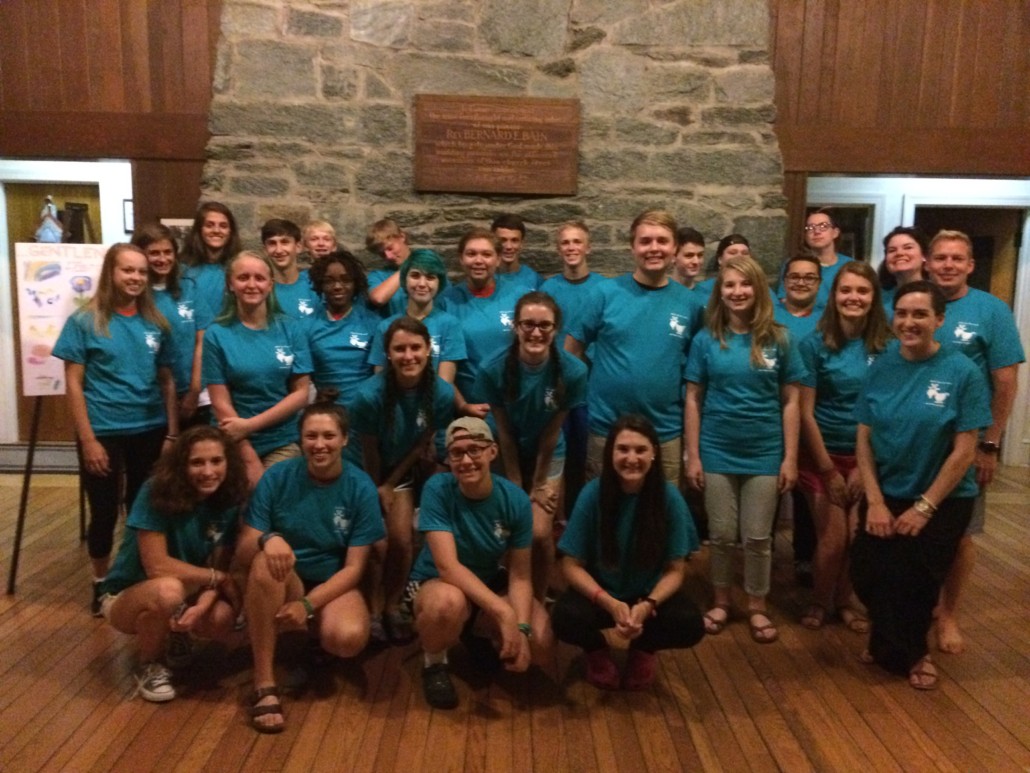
802, 279
473, 451
529, 325
819, 227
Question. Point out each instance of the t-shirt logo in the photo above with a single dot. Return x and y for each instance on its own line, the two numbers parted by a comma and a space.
185, 310
214, 533
434, 345
501, 533
152, 341
770, 357
938, 397
304, 306
285, 357
965, 332
678, 325
420, 419
507, 319
550, 400
340, 521
358, 340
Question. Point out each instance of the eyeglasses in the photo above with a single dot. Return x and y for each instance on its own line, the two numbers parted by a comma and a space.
819, 227
474, 452
802, 279
529, 325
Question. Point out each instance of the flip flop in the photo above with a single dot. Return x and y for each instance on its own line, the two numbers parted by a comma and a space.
854, 620
923, 675
814, 617
714, 625
762, 634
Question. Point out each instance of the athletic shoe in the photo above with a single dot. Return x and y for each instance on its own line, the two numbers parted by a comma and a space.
179, 650
602, 672
153, 683
436, 684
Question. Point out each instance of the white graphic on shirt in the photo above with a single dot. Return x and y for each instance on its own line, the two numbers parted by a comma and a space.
185, 310
678, 325
550, 400
340, 520
434, 345
359, 340
420, 419
870, 359
769, 357
508, 319
963, 334
500, 532
936, 394
285, 356
304, 306
214, 533
152, 341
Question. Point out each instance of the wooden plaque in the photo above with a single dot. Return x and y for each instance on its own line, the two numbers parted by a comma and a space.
496, 144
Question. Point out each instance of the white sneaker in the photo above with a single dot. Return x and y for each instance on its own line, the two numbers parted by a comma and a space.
153, 682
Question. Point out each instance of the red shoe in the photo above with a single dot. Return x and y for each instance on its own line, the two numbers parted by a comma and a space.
602, 672
640, 670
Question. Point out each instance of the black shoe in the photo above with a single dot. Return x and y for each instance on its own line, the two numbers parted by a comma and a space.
94, 606
436, 684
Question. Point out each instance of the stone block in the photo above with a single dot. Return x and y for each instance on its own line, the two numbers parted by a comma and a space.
271, 69
620, 208
220, 82
312, 24
531, 28
613, 166
448, 10
604, 13
754, 56
414, 73
697, 22
720, 167
259, 185
767, 235
312, 123
249, 20
446, 36
382, 22
316, 173
611, 81
745, 84
698, 138
552, 88
339, 82
293, 210
554, 212
584, 37
230, 150
560, 68
380, 125
680, 82
738, 116
683, 115
712, 225
634, 132
375, 87
388, 175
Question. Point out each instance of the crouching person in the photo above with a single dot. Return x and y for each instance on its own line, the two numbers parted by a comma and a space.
169, 582
473, 523
311, 524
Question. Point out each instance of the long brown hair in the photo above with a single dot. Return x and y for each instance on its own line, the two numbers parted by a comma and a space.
102, 304
195, 252
169, 493
427, 381
512, 371
150, 233
765, 331
876, 330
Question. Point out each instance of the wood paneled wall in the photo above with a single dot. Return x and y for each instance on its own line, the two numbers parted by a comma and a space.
112, 79
903, 86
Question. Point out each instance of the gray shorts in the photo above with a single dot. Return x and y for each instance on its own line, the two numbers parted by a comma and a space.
976, 523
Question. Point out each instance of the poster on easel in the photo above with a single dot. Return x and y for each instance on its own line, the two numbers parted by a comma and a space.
52, 282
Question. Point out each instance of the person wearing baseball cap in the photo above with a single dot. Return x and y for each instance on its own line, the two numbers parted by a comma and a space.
473, 522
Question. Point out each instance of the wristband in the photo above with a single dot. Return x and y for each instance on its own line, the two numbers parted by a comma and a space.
265, 537
526, 630
307, 607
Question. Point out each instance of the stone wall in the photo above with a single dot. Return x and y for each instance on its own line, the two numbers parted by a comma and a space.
311, 116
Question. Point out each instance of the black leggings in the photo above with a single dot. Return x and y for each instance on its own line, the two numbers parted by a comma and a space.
135, 454
677, 625
899, 580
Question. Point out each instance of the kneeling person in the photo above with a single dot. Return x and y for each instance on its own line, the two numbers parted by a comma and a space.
473, 521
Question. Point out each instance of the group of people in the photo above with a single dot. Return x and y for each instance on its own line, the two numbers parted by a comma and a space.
299, 415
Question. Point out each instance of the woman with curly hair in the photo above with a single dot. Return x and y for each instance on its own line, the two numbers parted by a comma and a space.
741, 429
396, 413
623, 554
170, 581
531, 388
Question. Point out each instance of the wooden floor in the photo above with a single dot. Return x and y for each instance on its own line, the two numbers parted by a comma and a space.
804, 703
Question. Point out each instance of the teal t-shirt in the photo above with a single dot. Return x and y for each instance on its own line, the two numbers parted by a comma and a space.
368, 417
837, 378
525, 278
626, 581
571, 298
120, 370
190, 537
641, 336
209, 280
982, 327
798, 327
298, 300
914, 410
398, 302
537, 402
340, 349
186, 315
318, 520
484, 530
445, 337
255, 366
742, 408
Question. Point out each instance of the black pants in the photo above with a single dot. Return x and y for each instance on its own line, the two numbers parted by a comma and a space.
135, 454
677, 625
899, 580
803, 538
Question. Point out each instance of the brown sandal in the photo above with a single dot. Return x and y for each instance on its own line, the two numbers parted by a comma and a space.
713, 625
923, 675
256, 711
814, 617
854, 620
763, 634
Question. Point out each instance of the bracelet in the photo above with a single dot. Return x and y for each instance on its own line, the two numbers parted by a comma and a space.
924, 507
652, 602
265, 537
172, 438
931, 505
212, 584
597, 593
526, 630
307, 607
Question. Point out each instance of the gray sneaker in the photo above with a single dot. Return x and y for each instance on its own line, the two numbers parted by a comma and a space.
153, 682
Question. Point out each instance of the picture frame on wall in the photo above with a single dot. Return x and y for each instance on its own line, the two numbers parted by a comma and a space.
128, 216
180, 227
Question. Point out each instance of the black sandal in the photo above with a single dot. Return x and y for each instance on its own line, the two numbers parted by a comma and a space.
256, 711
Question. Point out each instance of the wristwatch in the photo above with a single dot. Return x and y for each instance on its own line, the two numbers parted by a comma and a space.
988, 446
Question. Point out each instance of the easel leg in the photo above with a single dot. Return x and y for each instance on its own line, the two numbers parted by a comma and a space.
23, 504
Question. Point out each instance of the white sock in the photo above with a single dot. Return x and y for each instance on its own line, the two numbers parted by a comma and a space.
433, 658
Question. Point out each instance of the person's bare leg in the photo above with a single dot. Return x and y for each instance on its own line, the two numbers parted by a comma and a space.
949, 636
265, 595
